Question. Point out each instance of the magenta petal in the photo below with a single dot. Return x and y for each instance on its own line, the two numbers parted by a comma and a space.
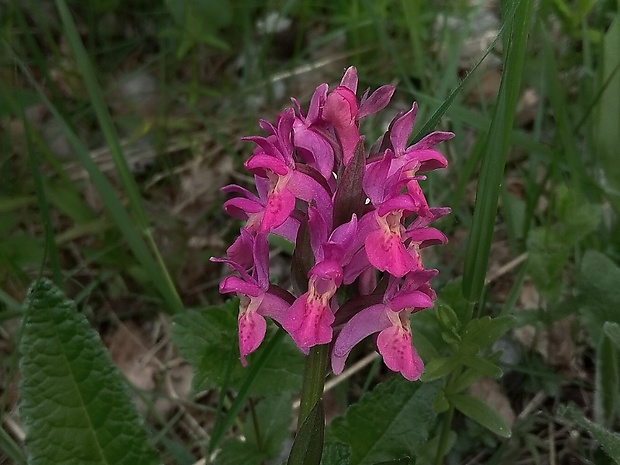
239, 207
274, 307
259, 162
426, 236
279, 207
426, 160
377, 101
363, 324
432, 139
316, 103
401, 129
398, 353
252, 328
386, 252
234, 284
240, 251
309, 322
415, 299
349, 79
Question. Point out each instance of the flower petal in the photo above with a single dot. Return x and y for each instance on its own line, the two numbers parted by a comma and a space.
386, 252
252, 329
368, 321
394, 344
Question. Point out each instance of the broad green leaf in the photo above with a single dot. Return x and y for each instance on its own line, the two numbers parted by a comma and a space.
480, 412
308, 446
609, 441
74, 405
606, 382
599, 293
205, 338
390, 421
336, 453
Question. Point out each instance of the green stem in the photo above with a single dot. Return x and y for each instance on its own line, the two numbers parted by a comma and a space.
314, 381
447, 419
445, 433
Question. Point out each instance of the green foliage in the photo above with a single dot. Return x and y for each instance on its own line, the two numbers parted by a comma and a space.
390, 421
74, 402
198, 22
607, 381
496, 151
606, 136
598, 293
480, 412
208, 340
336, 453
609, 441
550, 247
308, 446
273, 419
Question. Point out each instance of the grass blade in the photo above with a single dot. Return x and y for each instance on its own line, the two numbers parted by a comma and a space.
160, 272
494, 159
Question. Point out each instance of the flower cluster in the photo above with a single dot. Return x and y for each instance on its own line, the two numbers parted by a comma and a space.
358, 221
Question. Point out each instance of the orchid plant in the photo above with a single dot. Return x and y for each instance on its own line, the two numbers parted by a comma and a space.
358, 221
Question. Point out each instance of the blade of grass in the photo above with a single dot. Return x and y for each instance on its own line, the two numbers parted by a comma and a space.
110, 199
494, 160
111, 136
50, 242
560, 113
11, 449
438, 114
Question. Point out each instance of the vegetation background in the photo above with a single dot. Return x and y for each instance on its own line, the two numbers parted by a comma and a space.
120, 121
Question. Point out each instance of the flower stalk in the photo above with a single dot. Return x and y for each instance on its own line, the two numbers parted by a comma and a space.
315, 371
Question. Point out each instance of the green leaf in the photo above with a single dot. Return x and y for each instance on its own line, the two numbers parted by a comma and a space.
482, 366
481, 413
440, 367
599, 293
74, 405
336, 453
483, 332
609, 441
392, 420
606, 382
606, 136
496, 150
308, 446
550, 248
204, 337
452, 295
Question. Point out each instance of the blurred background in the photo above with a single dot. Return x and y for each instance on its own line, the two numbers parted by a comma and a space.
116, 134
